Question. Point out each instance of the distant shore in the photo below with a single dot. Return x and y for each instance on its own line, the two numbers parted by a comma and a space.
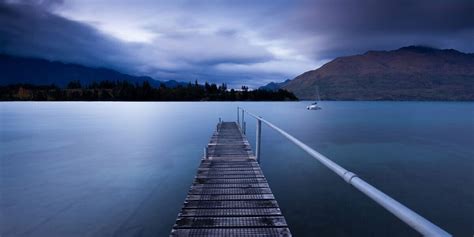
126, 91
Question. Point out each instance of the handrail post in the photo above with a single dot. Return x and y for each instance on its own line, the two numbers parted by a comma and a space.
243, 121
258, 138
238, 116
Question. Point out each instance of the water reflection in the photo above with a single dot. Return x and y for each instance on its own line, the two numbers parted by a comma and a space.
105, 169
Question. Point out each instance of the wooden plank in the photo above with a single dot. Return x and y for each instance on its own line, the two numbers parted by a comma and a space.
248, 168
229, 185
231, 212
224, 176
229, 172
245, 161
229, 181
228, 191
231, 204
229, 166
191, 197
261, 232
230, 222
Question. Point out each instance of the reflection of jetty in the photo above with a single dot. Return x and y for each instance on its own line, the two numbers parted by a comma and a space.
231, 197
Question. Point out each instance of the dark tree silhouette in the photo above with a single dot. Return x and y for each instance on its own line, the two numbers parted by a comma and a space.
126, 91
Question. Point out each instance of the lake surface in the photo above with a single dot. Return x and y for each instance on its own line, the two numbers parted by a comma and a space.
123, 169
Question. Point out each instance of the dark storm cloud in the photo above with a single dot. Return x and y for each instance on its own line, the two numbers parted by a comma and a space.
29, 30
369, 16
348, 27
237, 42
45, 4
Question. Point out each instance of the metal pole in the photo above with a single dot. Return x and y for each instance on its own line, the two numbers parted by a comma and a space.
403, 213
243, 121
205, 152
238, 116
258, 139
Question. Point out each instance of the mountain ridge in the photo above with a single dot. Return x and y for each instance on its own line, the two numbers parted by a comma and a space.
37, 71
408, 73
274, 86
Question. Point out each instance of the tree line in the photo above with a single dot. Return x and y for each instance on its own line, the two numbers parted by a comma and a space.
127, 91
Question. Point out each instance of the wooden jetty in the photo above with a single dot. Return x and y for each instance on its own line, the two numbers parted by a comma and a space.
230, 195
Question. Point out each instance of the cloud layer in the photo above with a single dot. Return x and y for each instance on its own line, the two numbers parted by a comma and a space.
237, 42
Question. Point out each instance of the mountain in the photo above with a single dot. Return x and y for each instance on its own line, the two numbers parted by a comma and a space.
274, 86
409, 73
34, 71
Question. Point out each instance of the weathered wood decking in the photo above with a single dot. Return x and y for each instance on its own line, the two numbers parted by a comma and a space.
230, 195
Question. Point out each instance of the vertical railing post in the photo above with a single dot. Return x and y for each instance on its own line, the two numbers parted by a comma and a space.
206, 153
238, 116
258, 138
243, 121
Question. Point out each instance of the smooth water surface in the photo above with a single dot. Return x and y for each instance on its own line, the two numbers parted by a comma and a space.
123, 169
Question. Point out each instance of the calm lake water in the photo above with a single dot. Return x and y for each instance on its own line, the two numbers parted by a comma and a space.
123, 169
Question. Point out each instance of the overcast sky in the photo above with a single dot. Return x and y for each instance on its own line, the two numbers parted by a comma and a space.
236, 42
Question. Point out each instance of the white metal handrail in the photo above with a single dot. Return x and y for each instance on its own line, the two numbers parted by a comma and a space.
411, 218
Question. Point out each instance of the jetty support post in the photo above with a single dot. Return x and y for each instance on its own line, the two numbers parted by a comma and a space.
238, 116
243, 121
258, 139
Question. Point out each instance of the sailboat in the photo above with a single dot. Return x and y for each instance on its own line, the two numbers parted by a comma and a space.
314, 105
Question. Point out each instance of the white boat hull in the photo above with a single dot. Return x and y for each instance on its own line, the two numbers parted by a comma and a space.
313, 107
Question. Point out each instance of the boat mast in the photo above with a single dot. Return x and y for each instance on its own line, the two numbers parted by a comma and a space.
317, 94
